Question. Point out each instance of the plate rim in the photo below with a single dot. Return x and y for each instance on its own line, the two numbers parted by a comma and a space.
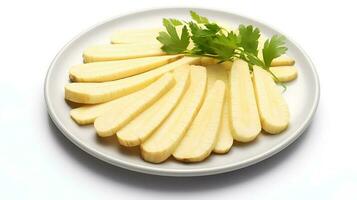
177, 172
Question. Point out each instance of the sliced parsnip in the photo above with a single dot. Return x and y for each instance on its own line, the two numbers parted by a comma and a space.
111, 121
139, 36
208, 61
161, 144
201, 137
136, 36
227, 64
109, 52
224, 138
140, 128
273, 110
205, 61
92, 93
283, 60
87, 114
244, 114
113, 70
285, 73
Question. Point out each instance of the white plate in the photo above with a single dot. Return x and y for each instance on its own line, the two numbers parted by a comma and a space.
302, 96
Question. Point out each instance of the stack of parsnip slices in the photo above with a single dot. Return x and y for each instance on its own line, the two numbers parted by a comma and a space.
175, 105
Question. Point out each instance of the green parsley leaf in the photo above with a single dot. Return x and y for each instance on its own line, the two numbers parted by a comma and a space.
273, 48
213, 27
199, 19
223, 53
230, 40
254, 60
248, 38
213, 41
174, 22
202, 38
225, 46
172, 43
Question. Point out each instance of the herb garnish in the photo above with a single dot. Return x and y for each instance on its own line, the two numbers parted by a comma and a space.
212, 40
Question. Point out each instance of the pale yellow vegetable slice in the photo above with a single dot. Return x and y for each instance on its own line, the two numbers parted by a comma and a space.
110, 52
244, 113
283, 60
136, 36
273, 110
113, 70
201, 137
205, 61
87, 114
139, 36
208, 61
224, 139
161, 144
284, 73
140, 128
92, 93
111, 121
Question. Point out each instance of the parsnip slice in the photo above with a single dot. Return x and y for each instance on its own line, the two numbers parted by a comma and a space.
273, 110
111, 121
224, 138
110, 52
113, 70
201, 137
285, 73
87, 114
283, 60
135, 36
140, 128
161, 144
92, 93
208, 61
212, 61
244, 114
141, 36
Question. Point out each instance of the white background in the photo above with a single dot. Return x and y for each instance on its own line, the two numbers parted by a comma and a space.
37, 162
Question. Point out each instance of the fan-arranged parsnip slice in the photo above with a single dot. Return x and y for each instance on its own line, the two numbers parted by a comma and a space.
283, 60
209, 61
135, 36
87, 114
140, 128
161, 144
224, 138
111, 121
212, 61
244, 113
284, 73
110, 52
113, 70
92, 93
201, 137
273, 110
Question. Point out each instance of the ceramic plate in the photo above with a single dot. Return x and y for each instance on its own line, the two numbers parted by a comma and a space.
302, 96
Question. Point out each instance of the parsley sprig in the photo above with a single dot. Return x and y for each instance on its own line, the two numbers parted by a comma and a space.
212, 40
